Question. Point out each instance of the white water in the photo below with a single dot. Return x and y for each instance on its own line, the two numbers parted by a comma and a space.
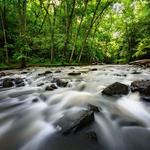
27, 125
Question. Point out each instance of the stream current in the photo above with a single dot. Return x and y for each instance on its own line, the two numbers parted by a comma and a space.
28, 114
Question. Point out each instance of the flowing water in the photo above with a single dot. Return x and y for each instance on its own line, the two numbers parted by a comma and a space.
28, 114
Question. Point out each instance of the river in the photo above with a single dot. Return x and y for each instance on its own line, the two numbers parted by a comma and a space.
29, 114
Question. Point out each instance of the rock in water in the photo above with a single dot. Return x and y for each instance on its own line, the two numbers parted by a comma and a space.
19, 82
45, 73
51, 87
59, 82
10, 82
116, 89
141, 86
74, 73
69, 125
2, 74
7, 83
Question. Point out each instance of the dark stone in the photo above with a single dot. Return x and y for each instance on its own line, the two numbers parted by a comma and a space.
68, 125
19, 82
51, 87
72, 67
74, 73
116, 89
59, 82
93, 108
136, 72
35, 100
57, 71
40, 84
93, 69
7, 83
141, 86
2, 74
120, 75
24, 72
45, 73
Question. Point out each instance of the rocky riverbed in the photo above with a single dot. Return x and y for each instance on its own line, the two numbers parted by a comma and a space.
102, 107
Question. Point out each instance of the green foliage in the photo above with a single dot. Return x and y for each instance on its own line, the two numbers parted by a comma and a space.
47, 32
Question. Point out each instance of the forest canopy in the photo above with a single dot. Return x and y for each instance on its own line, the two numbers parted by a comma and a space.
74, 31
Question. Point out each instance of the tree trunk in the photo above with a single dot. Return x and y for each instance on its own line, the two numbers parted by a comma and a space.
95, 18
53, 33
69, 23
88, 31
3, 20
78, 31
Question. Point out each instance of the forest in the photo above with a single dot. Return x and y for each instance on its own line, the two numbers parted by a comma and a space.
74, 31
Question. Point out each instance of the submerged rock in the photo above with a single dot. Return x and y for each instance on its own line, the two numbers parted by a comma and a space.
59, 82
116, 89
141, 86
91, 135
74, 73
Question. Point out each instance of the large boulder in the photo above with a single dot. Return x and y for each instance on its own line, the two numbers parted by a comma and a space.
75, 123
8, 82
141, 86
116, 89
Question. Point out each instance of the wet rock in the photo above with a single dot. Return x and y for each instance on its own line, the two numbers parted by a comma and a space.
68, 125
74, 73
2, 74
116, 89
24, 72
120, 75
58, 71
51, 87
72, 67
45, 73
136, 72
93, 69
93, 108
141, 86
19, 82
59, 82
35, 100
40, 84
8, 82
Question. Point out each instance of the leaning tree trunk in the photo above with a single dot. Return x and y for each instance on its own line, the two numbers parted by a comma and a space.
95, 18
78, 31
